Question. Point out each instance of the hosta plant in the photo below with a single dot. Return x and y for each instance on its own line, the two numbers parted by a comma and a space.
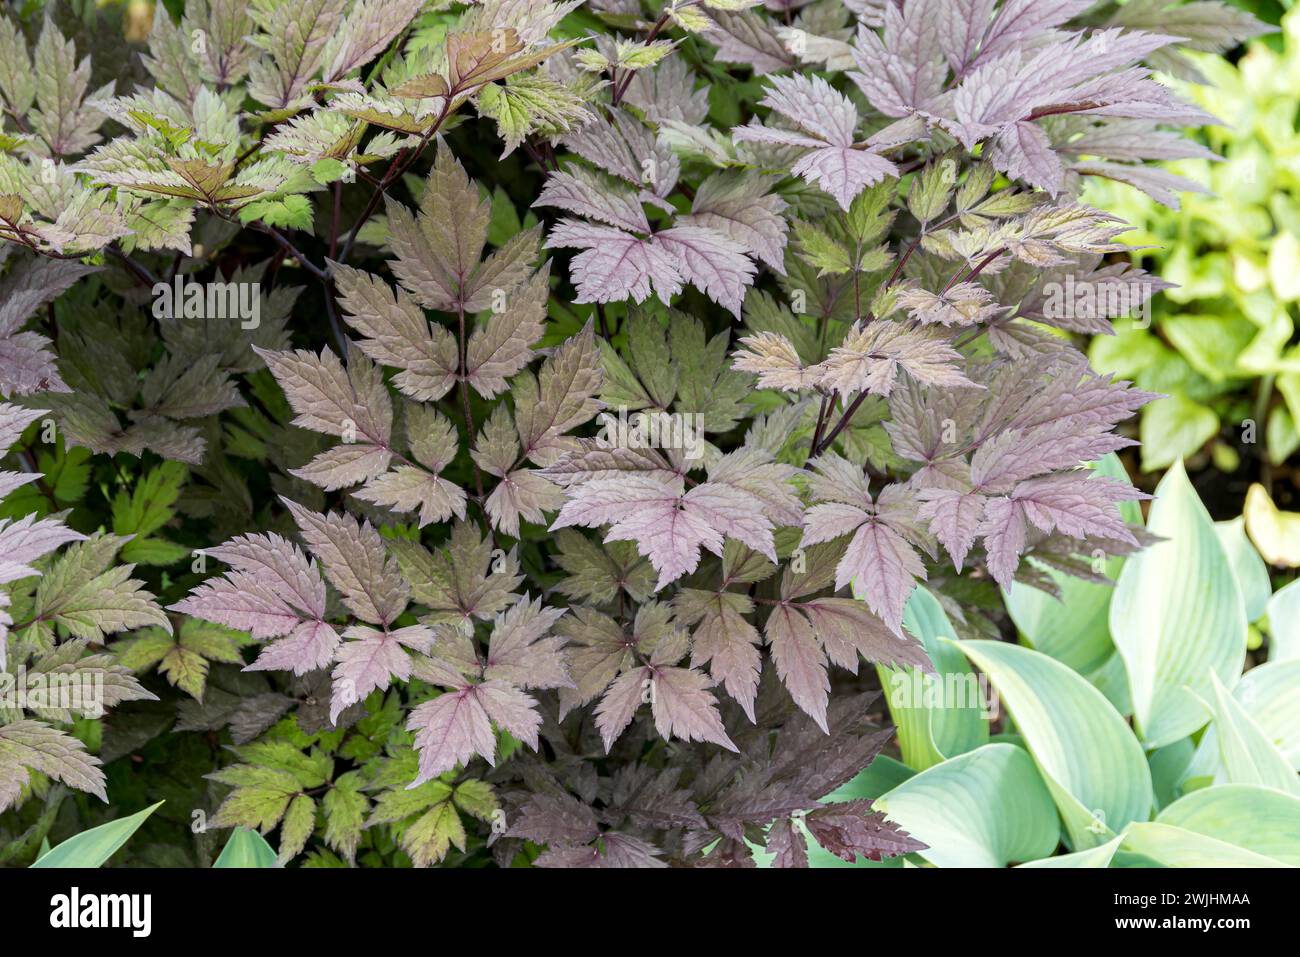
93, 847
473, 554
1205, 776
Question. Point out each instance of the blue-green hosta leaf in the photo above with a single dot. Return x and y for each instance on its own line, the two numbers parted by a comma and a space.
1112, 681
1231, 825
937, 715
1248, 568
984, 808
93, 847
1267, 703
1284, 623
1074, 628
1093, 766
1099, 856
1171, 846
1176, 614
246, 848
1169, 769
1245, 751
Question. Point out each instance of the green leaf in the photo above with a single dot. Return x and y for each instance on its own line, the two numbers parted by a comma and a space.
299, 821
309, 770
67, 472
92, 848
1099, 856
932, 189
504, 223
293, 212
183, 658
345, 813
145, 649
529, 103
1129, 352
619, 386
1210, 343
1276, 533
187, 670
1112, 681
17, 79
1094, 767
874, 259
1284, 623
1177, 613
276, 773
148, 506
214, 642
85, 593
984, 808
1281, 435
651, 357
634, 55
821, 252
1268, 696
153, 551
1174, 428
260, 801
431, 836
1245, 751
707, 383
690, 19
1247, 567
475, 798
246, 848
1231, 825
937, 715
870, 216
1169, 767
27, 746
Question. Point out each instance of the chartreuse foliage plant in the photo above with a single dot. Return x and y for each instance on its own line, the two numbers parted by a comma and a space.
1220, 345
535, 433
